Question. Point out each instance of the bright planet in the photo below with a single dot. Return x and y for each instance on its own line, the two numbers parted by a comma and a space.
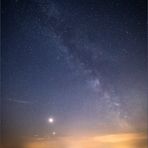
51, 120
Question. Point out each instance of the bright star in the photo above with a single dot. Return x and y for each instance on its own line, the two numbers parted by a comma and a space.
51, 120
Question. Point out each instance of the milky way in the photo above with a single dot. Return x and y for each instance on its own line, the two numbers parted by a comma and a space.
81, 62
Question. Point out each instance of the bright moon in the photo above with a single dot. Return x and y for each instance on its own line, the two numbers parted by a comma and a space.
51, 120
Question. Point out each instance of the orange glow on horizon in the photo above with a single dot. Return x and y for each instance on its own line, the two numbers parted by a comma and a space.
123, 140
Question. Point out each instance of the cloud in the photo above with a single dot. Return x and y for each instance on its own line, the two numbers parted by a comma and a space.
19, 101
114, 138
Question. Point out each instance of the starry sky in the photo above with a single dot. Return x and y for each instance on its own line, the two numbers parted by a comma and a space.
81, 62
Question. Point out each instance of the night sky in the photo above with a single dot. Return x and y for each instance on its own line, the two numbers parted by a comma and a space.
82, 63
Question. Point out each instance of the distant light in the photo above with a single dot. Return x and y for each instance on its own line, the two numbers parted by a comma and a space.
51, 120
53, 133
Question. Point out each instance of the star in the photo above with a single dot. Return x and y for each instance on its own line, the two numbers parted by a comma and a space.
53, 133
51, 120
